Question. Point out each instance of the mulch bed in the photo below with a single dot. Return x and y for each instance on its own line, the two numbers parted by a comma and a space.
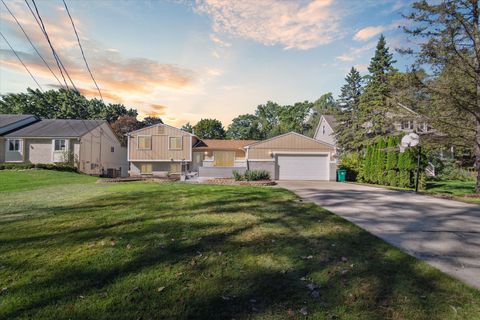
226, 181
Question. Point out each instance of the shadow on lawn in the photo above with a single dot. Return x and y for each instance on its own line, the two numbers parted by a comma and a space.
374, 281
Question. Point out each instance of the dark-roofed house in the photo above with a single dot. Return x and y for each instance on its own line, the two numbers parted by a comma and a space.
90, 144
11, 122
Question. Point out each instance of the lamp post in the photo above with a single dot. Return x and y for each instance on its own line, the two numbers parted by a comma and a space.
412, 140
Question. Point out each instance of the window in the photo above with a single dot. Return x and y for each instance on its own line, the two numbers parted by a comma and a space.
14, 144
175, 143
145, 168
60, 145
323, 129
407, 125
112, 149
223, 158
144, 142
175, 168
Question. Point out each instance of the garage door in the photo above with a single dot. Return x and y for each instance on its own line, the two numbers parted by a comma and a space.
302, 167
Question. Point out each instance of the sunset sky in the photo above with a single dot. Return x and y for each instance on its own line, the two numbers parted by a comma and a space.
187, 60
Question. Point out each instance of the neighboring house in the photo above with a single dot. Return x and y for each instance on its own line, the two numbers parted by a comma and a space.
162, 150
11, 122
90, 144
325, 129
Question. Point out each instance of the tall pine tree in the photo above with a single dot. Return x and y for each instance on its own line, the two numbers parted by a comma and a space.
375, 102
349, 99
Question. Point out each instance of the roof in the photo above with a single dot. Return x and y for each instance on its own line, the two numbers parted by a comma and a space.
332, 122
287, 134
10, 122
161, 124
222, 144
57, 128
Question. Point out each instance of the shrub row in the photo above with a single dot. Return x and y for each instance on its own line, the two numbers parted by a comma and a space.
45, 166
383, 164
251, 175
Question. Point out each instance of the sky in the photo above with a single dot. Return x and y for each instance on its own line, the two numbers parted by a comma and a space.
188, 60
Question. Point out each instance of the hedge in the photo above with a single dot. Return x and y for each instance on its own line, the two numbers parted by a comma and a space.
45, 166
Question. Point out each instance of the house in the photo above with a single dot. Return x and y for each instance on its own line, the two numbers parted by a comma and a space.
90, 144
326, 129
11, 122
162, 150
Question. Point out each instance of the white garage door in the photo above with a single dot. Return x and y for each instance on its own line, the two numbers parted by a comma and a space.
302, 167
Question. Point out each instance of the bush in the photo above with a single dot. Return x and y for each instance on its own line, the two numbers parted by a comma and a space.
44, 166
237, 176
257, 175
251, 175
451, 171
353, 164
392, 178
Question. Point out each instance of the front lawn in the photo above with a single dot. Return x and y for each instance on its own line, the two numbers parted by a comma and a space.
176, 251
453, 188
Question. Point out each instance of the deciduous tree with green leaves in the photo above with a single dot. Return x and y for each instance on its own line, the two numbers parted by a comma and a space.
209, 129
245, 127
449, 51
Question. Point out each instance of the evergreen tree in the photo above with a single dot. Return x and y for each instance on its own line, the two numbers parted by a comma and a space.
380, 162
368, 164
349, 99
392, 153
375, 103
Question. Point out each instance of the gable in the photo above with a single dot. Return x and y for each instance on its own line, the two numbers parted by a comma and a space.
291, 141
160, 129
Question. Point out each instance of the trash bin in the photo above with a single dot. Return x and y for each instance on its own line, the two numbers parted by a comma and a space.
341, 175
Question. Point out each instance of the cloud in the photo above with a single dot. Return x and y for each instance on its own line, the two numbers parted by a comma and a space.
354, 53
368, 32
290, 24
219, 41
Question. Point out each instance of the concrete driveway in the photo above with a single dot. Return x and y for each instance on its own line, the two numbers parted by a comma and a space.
444, 233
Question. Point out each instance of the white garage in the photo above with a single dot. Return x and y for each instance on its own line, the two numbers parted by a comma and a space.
302, 166
293, 156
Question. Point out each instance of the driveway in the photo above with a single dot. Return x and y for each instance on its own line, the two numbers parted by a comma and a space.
444, 233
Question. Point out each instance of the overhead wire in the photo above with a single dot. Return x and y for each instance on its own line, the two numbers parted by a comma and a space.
81, 49
21, 61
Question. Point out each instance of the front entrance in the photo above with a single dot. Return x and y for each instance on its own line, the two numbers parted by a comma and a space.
197, 160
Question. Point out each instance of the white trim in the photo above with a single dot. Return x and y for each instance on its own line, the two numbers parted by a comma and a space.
149, 160
191, 148
318, 127
128, 149
20, 146
144, 135
289, 133
175, 149
261, 160
300, 153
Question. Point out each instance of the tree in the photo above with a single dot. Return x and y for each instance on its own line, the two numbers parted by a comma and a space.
124, 125
61, 104
375, 102
150, 121
269, 118
187, 127
245, 127
209, 129
450, 50
346, 134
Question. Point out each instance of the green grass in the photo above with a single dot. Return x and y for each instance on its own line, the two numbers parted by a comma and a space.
12, 180
176, 251
452, 187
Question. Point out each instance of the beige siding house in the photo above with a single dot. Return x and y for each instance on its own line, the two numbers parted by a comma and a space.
293, 156
162, 150
90, 144
159, 150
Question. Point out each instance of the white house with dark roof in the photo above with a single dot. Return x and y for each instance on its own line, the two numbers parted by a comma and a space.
12, 122
91, 144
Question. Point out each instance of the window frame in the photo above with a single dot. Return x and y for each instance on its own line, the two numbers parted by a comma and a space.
170, 143
138, 142
20, 145
65, 145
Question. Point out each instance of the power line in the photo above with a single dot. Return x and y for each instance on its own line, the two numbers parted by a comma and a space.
48, 40
31, 43
31, 75
81, 49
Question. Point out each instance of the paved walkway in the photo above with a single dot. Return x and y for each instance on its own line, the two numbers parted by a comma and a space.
444, 233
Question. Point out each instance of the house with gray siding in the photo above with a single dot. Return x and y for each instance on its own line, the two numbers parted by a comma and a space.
91, 145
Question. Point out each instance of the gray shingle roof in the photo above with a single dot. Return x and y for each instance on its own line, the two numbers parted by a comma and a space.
331, 120
57, 128
8, 119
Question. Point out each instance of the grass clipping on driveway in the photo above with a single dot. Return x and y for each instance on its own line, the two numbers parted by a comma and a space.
177, 251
